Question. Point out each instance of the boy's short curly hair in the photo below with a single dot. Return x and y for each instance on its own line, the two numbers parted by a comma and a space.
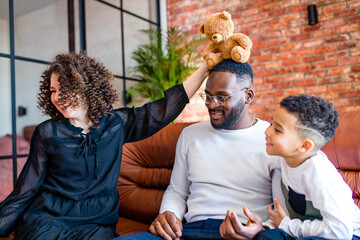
82, 79
317, 118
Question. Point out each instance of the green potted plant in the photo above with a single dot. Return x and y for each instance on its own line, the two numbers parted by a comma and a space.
166, 60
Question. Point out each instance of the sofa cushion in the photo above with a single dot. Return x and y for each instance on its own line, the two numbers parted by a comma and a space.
6, 165
127, 226
145, 173
343, 150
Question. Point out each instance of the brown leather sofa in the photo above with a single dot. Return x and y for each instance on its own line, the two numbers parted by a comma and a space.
146, 169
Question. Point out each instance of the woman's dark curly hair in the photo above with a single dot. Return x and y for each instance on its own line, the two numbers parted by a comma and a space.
82, 79
316, 117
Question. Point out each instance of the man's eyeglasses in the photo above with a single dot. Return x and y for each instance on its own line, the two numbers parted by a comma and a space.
219, 99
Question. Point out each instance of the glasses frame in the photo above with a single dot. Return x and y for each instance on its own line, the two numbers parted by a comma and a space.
204, 96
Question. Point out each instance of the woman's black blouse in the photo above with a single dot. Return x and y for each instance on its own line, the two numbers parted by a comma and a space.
70, 178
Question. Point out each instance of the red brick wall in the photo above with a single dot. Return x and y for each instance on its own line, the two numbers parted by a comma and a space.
288, 55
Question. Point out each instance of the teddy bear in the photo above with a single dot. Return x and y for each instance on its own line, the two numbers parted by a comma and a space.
219, 29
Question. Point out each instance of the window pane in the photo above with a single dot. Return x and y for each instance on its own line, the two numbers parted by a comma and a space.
133, 38
5, 97
136, 100
103, 35
6, 142
118, 84
4, 27
143, 8
28, 76
113, 2
41, 29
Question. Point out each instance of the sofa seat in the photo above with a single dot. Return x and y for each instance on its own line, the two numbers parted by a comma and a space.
126, 225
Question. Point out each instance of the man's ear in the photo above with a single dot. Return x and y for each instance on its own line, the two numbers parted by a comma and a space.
249, 96
306, 146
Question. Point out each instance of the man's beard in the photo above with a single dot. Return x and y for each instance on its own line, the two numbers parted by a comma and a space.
231, 118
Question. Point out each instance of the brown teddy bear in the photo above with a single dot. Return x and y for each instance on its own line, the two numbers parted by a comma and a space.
219, 28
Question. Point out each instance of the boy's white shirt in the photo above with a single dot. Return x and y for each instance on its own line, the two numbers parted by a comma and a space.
320, 182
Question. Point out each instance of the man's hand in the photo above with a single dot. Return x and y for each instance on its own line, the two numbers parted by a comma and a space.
277, 216
232, 228
167, 226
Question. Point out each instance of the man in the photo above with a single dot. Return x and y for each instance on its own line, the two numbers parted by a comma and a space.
219, 164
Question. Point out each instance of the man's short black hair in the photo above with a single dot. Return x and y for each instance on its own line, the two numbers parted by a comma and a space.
317, 118
241, 70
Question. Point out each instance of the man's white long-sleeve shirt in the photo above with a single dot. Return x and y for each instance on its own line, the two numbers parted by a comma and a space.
220, 170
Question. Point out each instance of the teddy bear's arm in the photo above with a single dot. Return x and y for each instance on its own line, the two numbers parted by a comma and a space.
243, 40
210, 56
209, 49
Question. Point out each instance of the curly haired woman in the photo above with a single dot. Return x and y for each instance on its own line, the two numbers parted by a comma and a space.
67, 189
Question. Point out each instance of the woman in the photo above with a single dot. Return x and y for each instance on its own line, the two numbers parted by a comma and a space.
67, 189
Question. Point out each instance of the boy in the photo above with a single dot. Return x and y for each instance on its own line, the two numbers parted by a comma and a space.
319, 202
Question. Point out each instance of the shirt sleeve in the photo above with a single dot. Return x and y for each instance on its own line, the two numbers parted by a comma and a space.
142, 122
26, 187
177, 192
275, 173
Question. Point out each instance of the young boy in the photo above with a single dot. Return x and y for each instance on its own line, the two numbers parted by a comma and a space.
319, 202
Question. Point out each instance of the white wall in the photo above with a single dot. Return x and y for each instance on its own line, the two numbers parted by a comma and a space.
4, 36
163, 15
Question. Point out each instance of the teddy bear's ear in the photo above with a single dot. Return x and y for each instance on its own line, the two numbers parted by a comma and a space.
201, 28
225, 15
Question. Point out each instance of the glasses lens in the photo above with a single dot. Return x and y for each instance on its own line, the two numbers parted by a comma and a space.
203, 96
220, 100
208, 99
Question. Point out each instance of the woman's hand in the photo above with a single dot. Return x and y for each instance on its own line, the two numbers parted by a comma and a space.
194, 81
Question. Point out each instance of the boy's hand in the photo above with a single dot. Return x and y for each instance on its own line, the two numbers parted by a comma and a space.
277, 216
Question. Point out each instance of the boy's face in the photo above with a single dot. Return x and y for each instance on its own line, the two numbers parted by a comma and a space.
282, 138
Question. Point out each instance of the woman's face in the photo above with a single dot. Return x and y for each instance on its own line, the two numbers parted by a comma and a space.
66, 109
